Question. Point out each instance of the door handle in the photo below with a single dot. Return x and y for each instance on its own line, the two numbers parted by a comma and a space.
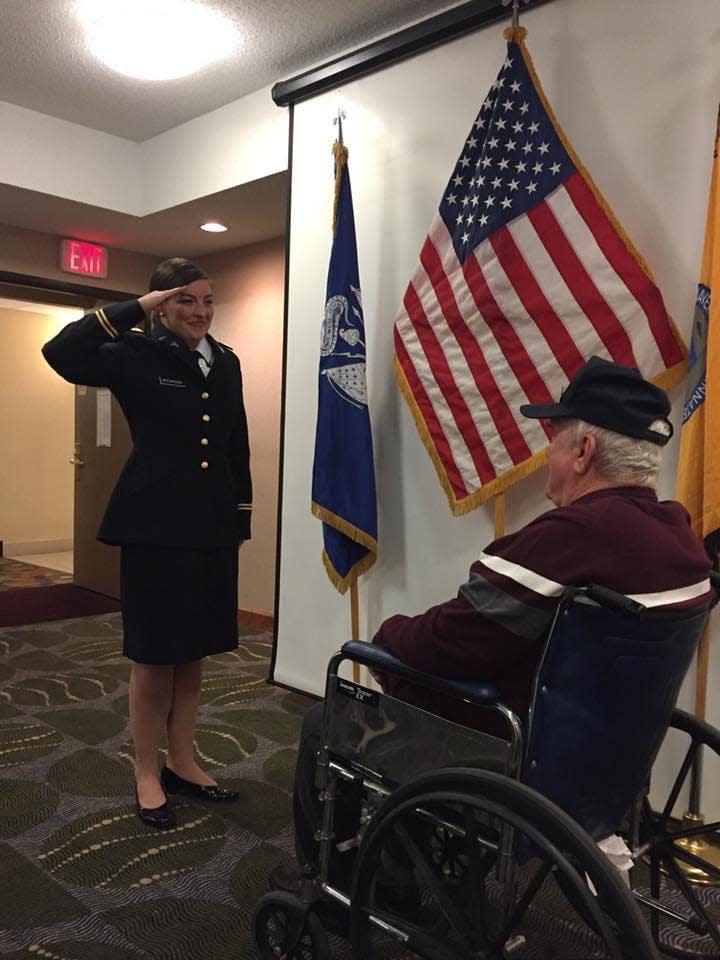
77, 461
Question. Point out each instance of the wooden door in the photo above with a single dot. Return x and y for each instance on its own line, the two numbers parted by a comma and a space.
102, 445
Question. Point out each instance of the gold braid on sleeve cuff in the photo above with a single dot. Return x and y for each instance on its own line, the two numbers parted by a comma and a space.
105, 324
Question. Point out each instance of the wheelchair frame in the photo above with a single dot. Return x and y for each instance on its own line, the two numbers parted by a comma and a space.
331, 771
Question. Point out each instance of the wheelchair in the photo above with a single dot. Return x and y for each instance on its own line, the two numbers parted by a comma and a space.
467, 846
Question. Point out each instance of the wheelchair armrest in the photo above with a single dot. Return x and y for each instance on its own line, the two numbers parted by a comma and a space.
476, 692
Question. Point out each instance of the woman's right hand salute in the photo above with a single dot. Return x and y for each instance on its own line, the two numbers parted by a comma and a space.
151, 301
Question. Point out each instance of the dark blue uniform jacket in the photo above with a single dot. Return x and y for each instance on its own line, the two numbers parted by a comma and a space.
187, 480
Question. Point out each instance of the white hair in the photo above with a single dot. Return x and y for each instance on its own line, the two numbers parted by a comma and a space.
625, 460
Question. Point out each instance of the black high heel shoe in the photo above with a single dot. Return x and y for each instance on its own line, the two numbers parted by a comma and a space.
173, 783
162, 817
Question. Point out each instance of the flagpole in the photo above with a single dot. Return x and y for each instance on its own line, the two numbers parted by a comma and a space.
354, 606
354, 626
515, 11
499, 516
354, 612
701, 674
697, 489
706, 848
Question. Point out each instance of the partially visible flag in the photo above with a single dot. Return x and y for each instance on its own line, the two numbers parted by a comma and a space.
343, 486
524, 275
698, 478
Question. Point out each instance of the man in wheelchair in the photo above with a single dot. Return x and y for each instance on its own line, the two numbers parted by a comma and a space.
607, 528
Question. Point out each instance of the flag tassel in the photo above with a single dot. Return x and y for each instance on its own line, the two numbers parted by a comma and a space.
460, 505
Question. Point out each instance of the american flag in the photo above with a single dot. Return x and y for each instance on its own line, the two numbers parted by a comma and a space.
524, 275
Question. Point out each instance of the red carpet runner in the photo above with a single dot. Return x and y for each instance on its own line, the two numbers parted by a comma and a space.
58, 602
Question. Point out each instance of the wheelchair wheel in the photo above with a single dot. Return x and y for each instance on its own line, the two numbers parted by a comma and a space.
286, 930
532, 883
678, 877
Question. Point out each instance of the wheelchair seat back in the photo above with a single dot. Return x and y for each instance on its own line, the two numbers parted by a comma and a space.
602, 701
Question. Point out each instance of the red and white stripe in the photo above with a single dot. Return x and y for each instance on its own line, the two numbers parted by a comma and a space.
514, 322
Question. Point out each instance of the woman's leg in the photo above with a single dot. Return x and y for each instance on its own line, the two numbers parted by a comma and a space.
151, 691
181, 723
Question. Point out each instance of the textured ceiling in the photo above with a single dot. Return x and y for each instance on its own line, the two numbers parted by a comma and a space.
252, 212
45, 66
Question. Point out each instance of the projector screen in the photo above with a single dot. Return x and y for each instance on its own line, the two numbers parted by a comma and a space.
635, 89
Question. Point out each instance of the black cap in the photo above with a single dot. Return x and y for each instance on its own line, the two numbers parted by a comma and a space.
609, 395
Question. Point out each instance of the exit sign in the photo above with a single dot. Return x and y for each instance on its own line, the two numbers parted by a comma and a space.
87, 259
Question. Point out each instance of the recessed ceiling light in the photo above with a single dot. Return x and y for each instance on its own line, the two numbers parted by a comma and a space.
213, 227
156, 39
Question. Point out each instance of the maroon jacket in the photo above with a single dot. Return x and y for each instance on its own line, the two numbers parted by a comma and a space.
622, 538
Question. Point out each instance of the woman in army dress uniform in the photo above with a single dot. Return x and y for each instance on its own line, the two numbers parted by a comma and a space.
179, 511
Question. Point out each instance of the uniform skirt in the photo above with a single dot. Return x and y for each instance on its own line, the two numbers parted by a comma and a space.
178, 605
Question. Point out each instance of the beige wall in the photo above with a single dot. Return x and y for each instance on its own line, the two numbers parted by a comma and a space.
38, 254
248, 285
36, 482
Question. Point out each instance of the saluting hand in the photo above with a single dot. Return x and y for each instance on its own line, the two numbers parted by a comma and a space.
151, 301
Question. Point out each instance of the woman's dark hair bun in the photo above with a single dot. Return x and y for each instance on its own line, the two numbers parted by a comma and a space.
175, 272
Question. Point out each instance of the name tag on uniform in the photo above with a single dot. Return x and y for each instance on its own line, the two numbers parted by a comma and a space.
169, 382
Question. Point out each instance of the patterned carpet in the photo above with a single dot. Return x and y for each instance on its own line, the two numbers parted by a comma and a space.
80, 877
15, 574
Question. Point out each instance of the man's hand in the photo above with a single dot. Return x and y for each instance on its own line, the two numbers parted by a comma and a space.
151, 301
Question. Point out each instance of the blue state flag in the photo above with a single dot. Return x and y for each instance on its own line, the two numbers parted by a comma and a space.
343, 486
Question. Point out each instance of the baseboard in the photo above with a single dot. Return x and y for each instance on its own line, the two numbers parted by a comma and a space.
20, 548
256, 618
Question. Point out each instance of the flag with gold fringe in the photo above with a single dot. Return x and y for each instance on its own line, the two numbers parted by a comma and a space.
343, 484
525, 274
698, 477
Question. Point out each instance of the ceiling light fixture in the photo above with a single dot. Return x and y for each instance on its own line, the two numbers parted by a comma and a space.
156, 39
213, 227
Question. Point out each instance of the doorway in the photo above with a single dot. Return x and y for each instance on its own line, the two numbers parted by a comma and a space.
248, 283
47, 519
36, 488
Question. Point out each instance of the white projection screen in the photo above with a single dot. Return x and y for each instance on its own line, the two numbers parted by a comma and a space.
635, 87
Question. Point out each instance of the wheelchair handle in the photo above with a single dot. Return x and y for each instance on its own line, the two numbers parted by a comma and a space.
610, 599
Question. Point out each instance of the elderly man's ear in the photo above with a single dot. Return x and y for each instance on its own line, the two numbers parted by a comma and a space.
585, 459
